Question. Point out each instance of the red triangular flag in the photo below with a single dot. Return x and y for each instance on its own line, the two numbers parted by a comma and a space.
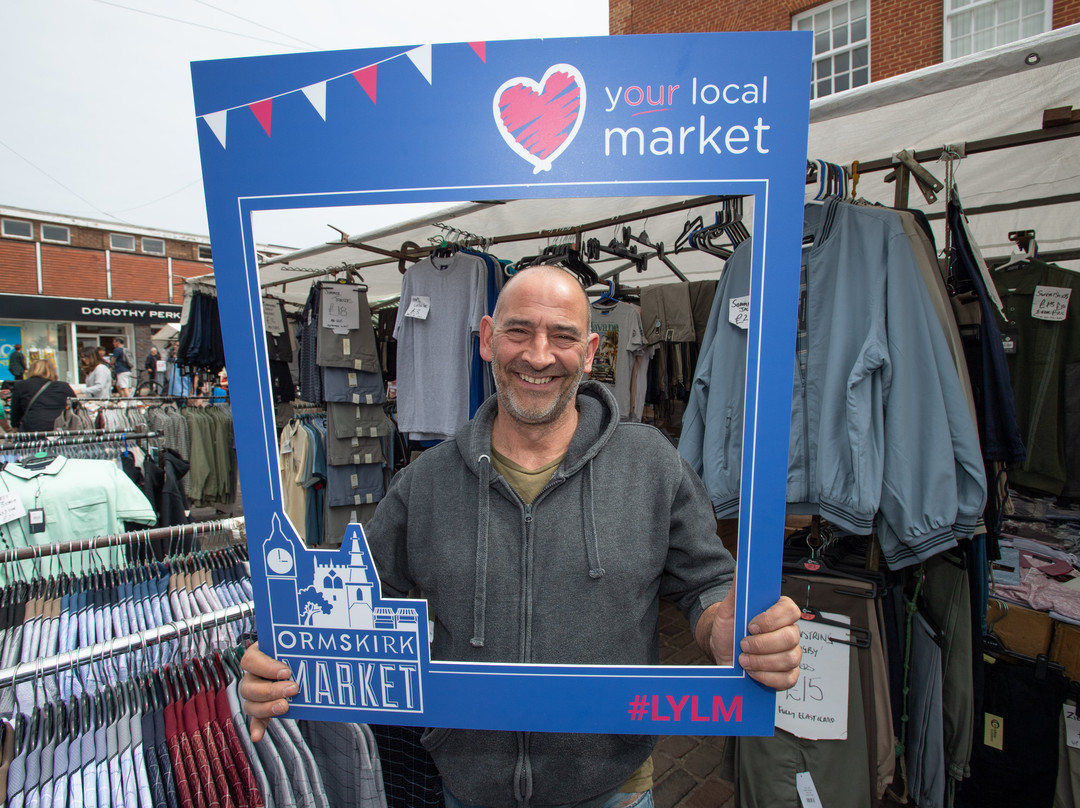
262, 110
366, 77
481, 50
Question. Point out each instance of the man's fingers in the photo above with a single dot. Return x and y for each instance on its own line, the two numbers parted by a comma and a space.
776, 680
256, 662
782, 613
265, 688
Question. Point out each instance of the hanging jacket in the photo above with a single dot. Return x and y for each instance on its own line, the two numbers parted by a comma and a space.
573, 578
881, 434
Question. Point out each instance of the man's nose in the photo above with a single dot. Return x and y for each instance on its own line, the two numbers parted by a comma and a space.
538, 352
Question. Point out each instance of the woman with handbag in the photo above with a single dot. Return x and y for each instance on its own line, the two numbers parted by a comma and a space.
40, 398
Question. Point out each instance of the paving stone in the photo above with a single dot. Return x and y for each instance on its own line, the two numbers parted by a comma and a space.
668, 792
701, 761
678, 745
662, 762
710, 794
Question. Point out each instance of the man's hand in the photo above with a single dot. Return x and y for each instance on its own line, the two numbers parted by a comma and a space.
771, 652
265, 687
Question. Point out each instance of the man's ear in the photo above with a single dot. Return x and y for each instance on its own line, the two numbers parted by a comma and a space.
590, 350
487, 334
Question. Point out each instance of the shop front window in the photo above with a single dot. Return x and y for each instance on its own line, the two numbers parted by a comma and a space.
39, 341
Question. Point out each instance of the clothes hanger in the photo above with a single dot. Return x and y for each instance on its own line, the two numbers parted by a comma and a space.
1027, 249
859, 637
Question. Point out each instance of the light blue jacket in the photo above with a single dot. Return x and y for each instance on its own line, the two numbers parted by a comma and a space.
880, 428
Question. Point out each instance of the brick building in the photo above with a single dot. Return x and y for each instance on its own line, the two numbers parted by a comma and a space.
67, 283
858, 41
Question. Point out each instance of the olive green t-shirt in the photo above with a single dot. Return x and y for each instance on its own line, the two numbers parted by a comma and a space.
528, 483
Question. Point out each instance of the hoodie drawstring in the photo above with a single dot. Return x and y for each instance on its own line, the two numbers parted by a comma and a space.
482, 518
588, 518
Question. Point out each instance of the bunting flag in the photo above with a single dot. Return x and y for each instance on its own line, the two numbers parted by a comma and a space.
367, 78
216, 121
316, 94
421, 57
262, 110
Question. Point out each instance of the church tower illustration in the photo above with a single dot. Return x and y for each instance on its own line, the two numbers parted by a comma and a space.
347, 589
279, 554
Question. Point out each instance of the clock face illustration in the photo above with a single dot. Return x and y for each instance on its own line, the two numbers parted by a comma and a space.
280, 560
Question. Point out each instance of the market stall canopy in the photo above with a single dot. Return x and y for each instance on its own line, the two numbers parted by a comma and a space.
980, 99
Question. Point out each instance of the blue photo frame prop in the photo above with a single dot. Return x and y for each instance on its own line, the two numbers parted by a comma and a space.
503, 120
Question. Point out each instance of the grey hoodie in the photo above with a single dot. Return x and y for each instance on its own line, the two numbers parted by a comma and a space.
573, 578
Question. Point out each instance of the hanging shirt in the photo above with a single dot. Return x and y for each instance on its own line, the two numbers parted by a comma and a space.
621, 337
80, 498
442, 303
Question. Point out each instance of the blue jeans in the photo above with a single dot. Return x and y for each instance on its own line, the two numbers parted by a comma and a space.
619, 800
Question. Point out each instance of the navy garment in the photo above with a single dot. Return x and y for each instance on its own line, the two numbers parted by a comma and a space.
311, 386
999, 430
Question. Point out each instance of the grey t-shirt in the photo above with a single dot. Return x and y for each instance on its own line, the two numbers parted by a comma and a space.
442, 303
621, 337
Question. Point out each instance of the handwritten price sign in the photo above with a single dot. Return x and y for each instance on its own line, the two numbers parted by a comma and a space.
340, 309
1050, 303
817, 707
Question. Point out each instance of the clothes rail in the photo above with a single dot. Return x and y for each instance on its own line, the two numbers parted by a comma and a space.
16, 437
143, 399
152, 534
78, 440
29, 671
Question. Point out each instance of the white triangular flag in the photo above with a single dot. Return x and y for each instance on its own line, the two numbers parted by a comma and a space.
316, 94
421, 57
216, 121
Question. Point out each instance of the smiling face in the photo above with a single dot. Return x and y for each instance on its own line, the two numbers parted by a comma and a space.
539, 344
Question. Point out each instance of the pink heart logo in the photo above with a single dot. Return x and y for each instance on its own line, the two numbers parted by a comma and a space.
538, 120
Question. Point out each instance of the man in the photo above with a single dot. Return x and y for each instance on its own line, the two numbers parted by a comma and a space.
122, 362
17, 363
545, 532
151, 363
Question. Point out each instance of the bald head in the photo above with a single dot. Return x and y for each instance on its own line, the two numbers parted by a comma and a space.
540, 346
547, 281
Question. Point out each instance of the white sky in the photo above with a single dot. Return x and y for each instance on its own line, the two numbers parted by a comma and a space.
97, 119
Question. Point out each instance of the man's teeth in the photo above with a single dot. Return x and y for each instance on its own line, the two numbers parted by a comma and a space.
535, 379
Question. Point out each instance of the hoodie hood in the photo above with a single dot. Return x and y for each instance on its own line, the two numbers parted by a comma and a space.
598, 415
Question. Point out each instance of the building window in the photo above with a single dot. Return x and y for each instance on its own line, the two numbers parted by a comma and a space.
117, 241
841, 45
153, 246
204, 253
56, 233
976, 25
15, 228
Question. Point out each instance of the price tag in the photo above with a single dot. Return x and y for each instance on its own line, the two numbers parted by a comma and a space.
353, 380
1072, 726
340, 309
286, 447
161, 366
1050, 303
817, 707
808, 795
11, 507
993, 731
739, 312
1008, 344
419, 306
354, 480
37, 520
275, 324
